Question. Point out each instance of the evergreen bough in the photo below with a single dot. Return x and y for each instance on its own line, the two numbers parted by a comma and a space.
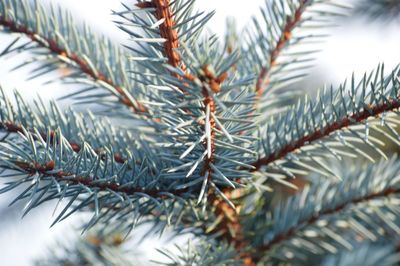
190, 133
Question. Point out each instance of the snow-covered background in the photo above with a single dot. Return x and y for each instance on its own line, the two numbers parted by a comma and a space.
357, 45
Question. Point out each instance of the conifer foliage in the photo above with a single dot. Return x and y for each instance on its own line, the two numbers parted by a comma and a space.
187, 132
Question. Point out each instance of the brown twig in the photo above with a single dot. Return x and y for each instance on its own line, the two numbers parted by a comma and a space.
62, 176
229, 228
167, 31
291, 23
55, 48
212, 84
209, 104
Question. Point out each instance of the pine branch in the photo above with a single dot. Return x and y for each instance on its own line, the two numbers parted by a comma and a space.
164, 14
367, 255
290, 24
54, 171
169, 25
202, 253
326, 216
61, 46
284, 25
98, 132
329, 126
47, 170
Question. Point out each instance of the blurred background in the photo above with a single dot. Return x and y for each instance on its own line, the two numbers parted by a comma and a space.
357, 44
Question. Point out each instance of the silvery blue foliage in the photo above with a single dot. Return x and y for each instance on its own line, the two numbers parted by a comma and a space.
194, 133
366, 255
385, 10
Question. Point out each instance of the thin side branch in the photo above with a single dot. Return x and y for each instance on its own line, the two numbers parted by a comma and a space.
291, 23
260, 251
61, 176
15, 128
163, 12
82, 64
353, 119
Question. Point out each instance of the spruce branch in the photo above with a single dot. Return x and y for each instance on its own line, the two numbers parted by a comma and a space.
289, 25
44, 128
164, 14
366, 254
10, 127
284, 25
167, 27
207, 132
99, 132
188, 86
331, 216
54, 171
211, 84
202, 253
336, 121
204, 160
46, 170
386, 10
226, 226
67, 46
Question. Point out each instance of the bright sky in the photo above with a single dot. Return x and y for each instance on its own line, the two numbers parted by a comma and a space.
355, 47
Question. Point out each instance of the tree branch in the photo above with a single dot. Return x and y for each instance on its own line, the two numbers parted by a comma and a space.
209, 110
61, 176
370, 111
82, 64
229, 228
291, 23
11, 127
260, 251
167, 31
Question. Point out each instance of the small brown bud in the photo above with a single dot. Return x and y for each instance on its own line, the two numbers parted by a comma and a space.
208, 72
118, 158
50, 165
145, 5
215, 87
117, 240
288, 35
221, 78
75, 147
190, 77
93, 240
